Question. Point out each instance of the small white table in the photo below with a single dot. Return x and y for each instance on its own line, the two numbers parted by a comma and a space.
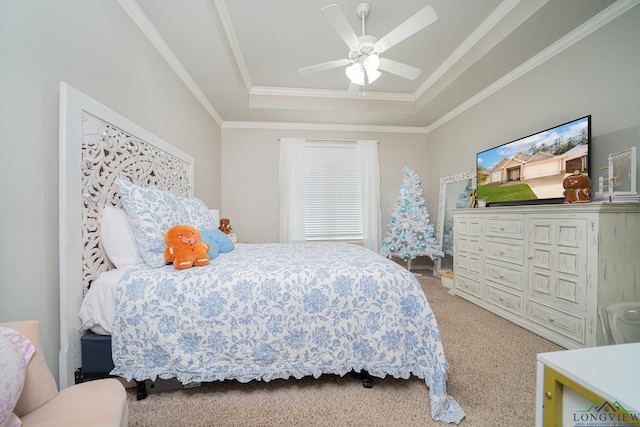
597, 384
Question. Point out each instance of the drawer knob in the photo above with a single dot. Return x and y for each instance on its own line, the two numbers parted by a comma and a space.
501, 275
548, 395
551, 319
501, 252
501, 299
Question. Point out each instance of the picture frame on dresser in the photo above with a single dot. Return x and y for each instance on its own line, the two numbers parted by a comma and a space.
454, 194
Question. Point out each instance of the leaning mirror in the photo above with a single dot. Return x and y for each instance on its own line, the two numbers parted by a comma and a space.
455, 193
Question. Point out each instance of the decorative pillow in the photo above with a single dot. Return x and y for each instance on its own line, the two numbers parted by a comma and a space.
208, 237
151, 213
197, 214
15, 353
217, 238
117, 238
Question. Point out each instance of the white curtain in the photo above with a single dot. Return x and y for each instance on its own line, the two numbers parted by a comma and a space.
370, 172
291, 190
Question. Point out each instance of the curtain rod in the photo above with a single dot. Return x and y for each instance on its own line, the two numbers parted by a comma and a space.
328, 140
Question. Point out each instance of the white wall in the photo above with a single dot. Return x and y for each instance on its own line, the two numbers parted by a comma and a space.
598, 75
96, 48
250, 194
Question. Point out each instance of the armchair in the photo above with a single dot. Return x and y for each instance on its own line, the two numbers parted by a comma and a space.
94, 403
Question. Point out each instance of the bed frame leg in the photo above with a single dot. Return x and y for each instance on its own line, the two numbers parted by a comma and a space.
367, 381
141, 390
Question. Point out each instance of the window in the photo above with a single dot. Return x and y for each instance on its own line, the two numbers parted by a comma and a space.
329, 191
332, 192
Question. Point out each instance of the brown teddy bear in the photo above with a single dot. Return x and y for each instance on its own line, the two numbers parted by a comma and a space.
184, 248
225, 225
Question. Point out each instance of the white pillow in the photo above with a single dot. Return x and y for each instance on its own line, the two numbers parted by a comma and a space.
15, 353
117, 239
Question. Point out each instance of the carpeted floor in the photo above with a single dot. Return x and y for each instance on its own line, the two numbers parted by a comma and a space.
492, 376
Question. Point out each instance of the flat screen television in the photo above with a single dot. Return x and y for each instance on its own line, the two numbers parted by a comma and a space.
531, 170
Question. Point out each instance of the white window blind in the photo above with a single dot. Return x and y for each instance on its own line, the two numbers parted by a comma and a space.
332, 192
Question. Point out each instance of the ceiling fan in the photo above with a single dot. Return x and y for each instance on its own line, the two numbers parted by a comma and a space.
364, 58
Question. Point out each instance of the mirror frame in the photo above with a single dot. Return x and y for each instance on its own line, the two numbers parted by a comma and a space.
442, 200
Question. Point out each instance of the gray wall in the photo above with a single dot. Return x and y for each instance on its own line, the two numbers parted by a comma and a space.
250, 194
95, 47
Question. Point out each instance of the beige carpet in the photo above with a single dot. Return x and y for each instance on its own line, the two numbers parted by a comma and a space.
492, 376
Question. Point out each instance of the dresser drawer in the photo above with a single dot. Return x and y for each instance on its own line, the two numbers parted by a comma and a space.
468, 227
471, 246
505, 276
468, 264
504, 300
467, 285
560, 322
506, 252
509, 228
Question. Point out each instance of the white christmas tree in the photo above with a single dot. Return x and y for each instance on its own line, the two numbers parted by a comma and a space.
410, 232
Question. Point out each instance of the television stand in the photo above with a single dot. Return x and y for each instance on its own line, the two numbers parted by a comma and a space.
548, 268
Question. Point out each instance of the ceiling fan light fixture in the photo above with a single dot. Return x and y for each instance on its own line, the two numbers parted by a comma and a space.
362, 63
355, 73
371, 64
373, 75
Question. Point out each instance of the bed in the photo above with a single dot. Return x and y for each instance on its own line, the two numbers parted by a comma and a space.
258, 312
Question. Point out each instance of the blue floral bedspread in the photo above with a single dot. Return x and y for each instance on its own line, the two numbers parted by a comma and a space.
267, 311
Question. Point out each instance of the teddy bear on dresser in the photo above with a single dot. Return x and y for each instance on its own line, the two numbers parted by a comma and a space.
184, 247
225, 225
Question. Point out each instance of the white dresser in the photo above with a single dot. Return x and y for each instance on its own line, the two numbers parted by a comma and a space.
547, 268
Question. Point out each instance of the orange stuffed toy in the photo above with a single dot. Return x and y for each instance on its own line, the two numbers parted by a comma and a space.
225, 225
184, 248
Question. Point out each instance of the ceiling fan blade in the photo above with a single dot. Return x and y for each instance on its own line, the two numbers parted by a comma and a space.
408, 28
353, 89
399, 69
336, 18
322, 67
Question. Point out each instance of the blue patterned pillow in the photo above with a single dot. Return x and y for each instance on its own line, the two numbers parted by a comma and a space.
197, 214
151, 213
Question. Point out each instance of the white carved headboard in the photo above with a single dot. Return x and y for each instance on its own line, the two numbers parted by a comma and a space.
97, 146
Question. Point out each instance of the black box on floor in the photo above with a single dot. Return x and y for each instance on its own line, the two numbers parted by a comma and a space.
96, 353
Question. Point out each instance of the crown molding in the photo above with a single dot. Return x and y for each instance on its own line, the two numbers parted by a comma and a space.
478, 34
330, 93
227, 25
595, 23
138, 16
322, 126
